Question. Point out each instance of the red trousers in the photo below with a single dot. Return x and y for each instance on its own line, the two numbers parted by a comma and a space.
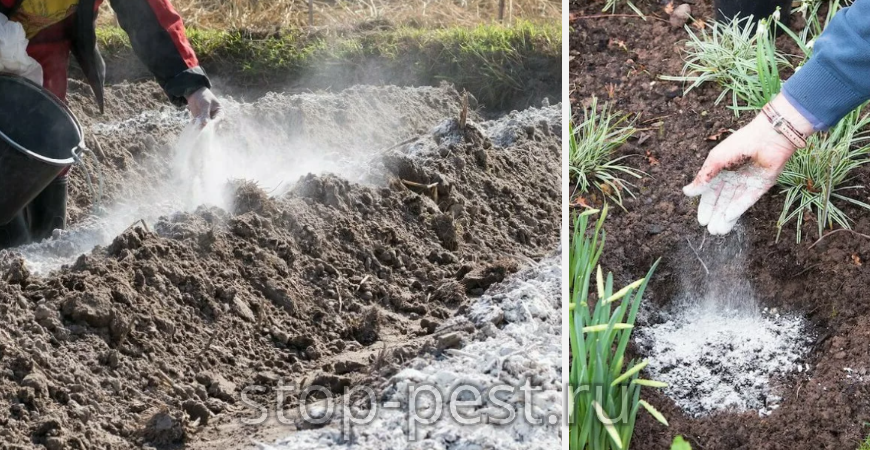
51, 49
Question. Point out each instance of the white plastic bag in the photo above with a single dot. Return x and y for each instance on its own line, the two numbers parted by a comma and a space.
13, 52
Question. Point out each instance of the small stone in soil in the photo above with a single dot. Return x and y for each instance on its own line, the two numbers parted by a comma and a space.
681, 15
654, 228
449, 340
429, 325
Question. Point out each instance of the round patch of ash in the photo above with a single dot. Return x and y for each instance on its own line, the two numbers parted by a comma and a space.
717, 359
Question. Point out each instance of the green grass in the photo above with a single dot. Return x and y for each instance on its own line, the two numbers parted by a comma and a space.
815, 25
606, 395
680, 444
739, 57
818, 175
865, 445
493, 62
591, 151
756, 86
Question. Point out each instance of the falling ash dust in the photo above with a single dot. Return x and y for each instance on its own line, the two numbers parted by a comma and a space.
205, 161
715, 347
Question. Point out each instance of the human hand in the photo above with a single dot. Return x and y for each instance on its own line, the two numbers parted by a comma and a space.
743, 168
204, 106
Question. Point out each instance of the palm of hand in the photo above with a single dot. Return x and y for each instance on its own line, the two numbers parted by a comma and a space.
737, 173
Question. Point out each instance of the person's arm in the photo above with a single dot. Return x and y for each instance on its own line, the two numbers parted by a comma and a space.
158, 38
835, 80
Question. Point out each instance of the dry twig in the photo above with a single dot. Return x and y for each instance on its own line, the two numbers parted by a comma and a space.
625, 16
837, 231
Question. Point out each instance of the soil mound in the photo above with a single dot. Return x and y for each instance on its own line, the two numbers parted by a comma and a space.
330, 280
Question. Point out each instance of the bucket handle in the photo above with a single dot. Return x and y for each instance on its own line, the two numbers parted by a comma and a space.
96, 194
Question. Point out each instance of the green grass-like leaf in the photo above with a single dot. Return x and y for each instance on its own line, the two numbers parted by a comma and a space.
612, 4
606, 397
681, 444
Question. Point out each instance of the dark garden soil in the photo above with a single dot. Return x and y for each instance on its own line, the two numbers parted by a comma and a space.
619, 59
150, 340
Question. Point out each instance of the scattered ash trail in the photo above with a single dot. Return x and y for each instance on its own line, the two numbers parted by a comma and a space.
526, 349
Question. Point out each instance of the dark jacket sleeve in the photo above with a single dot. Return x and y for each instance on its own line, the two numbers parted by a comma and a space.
834, 81
158, 38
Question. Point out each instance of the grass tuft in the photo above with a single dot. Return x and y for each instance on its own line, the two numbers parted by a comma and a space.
759, 85
740, 57
591, 149
228, 14
818, 174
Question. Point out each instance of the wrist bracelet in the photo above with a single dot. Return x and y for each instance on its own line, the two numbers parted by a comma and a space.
784, 127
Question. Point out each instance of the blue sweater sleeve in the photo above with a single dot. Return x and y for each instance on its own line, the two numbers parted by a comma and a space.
836, 79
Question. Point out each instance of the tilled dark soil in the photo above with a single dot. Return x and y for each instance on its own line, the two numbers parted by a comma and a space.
824, 409
150, 340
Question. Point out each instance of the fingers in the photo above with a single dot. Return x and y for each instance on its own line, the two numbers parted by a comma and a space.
735, 193
724, 196
711, 168
756, 182
721, 227
707, 205
204, 107
730, 186
742, 203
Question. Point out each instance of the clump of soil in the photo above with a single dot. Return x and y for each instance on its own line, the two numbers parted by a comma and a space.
366, 327
154, 335
162, 430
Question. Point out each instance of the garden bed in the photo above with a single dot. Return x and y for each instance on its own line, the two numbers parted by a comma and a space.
368, 218
619, 59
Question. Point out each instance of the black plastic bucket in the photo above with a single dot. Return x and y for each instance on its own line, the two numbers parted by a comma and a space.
727, 10
39, 138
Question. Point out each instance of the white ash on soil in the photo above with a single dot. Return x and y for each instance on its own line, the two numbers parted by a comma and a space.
716, 348
162, 328
525, 348
508, 129
719, 360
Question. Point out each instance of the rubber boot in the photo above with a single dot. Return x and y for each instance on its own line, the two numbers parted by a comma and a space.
47, 212
726, 10
14, 233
